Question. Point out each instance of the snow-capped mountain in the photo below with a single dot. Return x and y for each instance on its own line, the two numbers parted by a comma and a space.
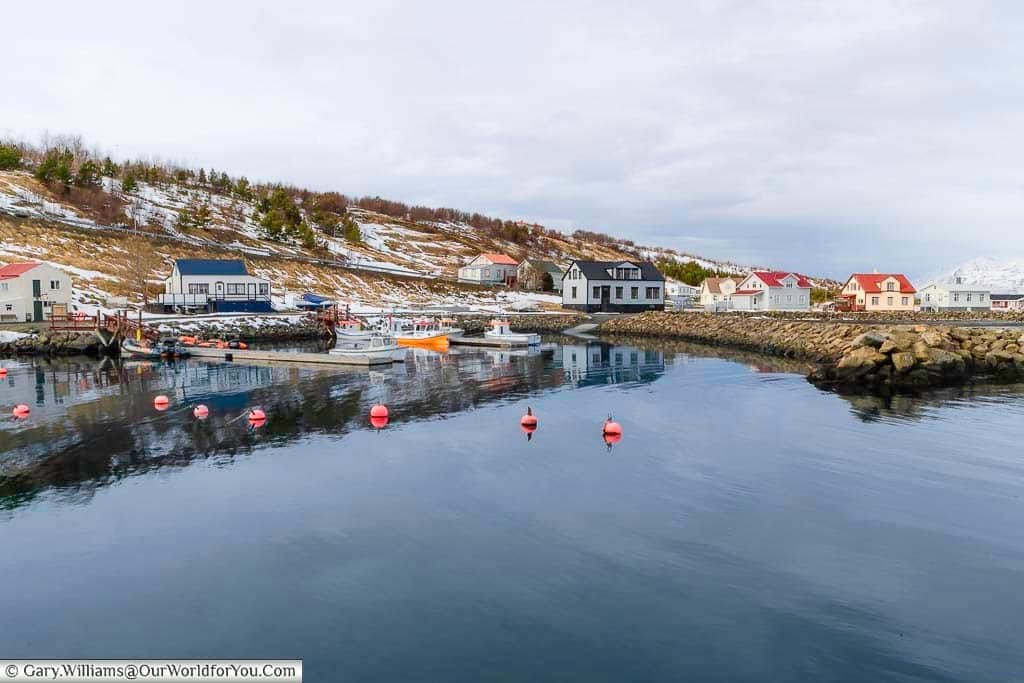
999, 276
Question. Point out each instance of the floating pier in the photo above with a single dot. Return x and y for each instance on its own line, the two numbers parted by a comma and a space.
257, 355
484, 341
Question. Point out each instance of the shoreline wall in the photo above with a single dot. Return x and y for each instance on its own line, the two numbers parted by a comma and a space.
873, 357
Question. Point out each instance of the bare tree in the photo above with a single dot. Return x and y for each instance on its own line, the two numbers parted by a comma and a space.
143, 263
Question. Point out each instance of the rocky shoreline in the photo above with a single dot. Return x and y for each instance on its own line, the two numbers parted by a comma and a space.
851, 355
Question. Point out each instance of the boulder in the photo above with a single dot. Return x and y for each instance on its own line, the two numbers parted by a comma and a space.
903, 361
932, 338
872, 338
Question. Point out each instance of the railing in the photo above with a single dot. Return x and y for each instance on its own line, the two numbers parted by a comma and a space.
203, 299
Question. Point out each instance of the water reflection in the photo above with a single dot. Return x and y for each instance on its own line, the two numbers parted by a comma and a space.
93, 422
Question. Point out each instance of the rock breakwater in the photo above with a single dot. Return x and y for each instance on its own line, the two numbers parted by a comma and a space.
874, 357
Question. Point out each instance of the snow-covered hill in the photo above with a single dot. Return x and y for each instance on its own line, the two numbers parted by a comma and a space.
998, 275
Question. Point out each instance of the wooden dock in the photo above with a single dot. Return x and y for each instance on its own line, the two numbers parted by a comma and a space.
258, 355
491, 343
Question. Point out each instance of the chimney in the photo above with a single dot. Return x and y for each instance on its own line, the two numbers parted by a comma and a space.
876, 271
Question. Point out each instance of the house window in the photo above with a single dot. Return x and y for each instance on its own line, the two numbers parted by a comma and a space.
888, 301
3, 286
199, 288
8, 307
653, 292
789, 298
618, 292
54, 284
981, 296
487, 273
264, 288
956, 296
927, 297
874, 301
905, 301
573, 293
46, 304
597, 292
968, 296
634, 292
890, 286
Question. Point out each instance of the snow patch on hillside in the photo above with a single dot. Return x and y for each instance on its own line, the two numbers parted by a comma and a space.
997, 275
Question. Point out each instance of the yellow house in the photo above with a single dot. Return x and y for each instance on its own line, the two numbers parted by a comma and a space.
879, 292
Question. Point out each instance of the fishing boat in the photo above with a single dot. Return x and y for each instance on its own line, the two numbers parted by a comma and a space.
352, 329
165, 348
423, 333
501, 332
375, 349
447, 325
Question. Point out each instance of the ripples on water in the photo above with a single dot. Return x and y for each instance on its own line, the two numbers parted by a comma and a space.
747, 527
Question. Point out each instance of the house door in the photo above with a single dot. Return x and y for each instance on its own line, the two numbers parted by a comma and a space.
219, 288
251, 287
37, 311
37, 288
606, 298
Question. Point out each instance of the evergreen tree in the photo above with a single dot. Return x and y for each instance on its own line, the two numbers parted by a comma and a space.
350, 231
88, 174
10, 157
128, 183
202, 177
109, 168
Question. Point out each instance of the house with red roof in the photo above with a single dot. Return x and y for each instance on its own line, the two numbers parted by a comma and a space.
489, 269
774, 290
879, 292
28, 291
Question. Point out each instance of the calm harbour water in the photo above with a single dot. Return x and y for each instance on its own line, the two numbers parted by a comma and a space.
747, 527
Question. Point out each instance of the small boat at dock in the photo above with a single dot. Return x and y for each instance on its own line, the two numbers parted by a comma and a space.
501, 332
165, 348
375, 349
422, 333
448, 326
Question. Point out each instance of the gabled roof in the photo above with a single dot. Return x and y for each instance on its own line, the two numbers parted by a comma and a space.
199, 266
774, 278
715, 283
12, 270
872, 282
499, 259
597, 270
546, 266
1006, 297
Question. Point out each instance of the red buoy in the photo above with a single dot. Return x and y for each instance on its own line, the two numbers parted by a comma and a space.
3, 372
528, 420
379, 416
21, 411
257, 415
201, 411
611, 427
161, 402
612, 439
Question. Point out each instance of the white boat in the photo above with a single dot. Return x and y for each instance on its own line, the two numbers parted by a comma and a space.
375, 349
447, 325
501, 332
352, 329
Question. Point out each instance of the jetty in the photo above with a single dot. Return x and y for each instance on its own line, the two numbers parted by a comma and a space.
489, 343
259, 355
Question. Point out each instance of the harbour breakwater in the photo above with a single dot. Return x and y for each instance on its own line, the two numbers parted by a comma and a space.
853, 355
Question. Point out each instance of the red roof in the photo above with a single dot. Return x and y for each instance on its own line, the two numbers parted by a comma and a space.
12, 270
872, 282
774, 278
500, 259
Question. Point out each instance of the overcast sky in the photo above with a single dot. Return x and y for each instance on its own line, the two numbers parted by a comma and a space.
820, 136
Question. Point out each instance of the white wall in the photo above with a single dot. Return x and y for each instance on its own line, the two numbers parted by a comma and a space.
16, 294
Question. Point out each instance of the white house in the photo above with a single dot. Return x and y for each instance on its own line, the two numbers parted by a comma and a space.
489, 269
954, 297
214, 285
680, 293
28, 291
620, 286
716, 292
765, 290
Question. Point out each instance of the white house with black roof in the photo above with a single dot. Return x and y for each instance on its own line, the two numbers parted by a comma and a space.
214, 286
613, 286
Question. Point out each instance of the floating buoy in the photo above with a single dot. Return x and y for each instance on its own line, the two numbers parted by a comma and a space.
612, 439
21, 411
161, 402
201, 411
611, 427
257, 415
3, 372
379, 416
528, 420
